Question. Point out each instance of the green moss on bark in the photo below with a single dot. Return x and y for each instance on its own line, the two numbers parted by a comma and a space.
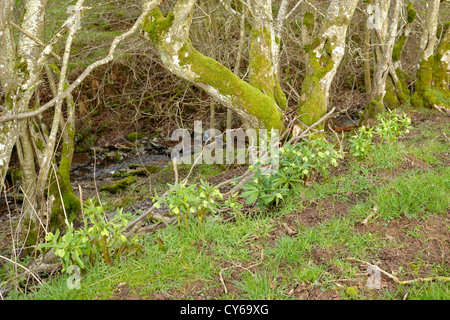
429, 91
244, 95
424, 78
65, 200
398, 48
67, 155
369, 116
208, 71
280, 96
261, 75
29, 232
156, 24
411, 16
390, 100
313, 104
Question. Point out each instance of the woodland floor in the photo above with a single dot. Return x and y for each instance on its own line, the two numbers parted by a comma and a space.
303, 249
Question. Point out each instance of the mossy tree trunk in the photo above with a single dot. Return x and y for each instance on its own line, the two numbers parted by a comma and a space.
25, 75
8, 135
169, 34
429, 90
386, 34
264, 52
66, 202
442, 62
326, 54
397, 92
433, 74
308, 28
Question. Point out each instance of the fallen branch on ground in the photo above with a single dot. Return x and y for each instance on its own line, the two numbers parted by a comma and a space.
397, 280
442, 109
306, 132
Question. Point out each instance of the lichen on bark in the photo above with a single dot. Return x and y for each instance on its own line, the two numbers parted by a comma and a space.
180, 57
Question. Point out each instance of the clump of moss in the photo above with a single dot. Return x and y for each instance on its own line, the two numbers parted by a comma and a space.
424, 78
390, 99
152, 168
155, 24
369, 116
309, 20
261, 75
134, 136
16, 175
117, 156
138, 171
398, 48
119, 185
411, 13
352, 291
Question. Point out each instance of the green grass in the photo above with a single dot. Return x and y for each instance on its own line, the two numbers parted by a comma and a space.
257, 259
415, 194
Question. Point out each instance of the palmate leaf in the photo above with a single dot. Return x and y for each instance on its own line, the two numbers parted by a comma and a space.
252, 196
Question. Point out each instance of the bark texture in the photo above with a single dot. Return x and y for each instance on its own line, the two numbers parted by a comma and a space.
169, 34
386, 35
433, 72
325, 56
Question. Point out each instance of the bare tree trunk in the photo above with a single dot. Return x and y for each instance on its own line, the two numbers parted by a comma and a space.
442, 57
367, 73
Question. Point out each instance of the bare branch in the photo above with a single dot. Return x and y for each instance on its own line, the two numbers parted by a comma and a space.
150, 6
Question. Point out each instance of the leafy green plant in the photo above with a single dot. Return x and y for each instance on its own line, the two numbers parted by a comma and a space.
98, 237
185, 200
361, 143
390, 126
298, 163
235, 206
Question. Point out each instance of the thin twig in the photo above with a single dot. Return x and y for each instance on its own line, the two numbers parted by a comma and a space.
222, 281
23, 267
37, 40
175, 170
305, 132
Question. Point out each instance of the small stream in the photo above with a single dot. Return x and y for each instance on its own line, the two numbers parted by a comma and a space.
88, 169
85, 166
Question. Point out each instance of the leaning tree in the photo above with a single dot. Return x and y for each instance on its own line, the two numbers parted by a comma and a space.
260, 100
